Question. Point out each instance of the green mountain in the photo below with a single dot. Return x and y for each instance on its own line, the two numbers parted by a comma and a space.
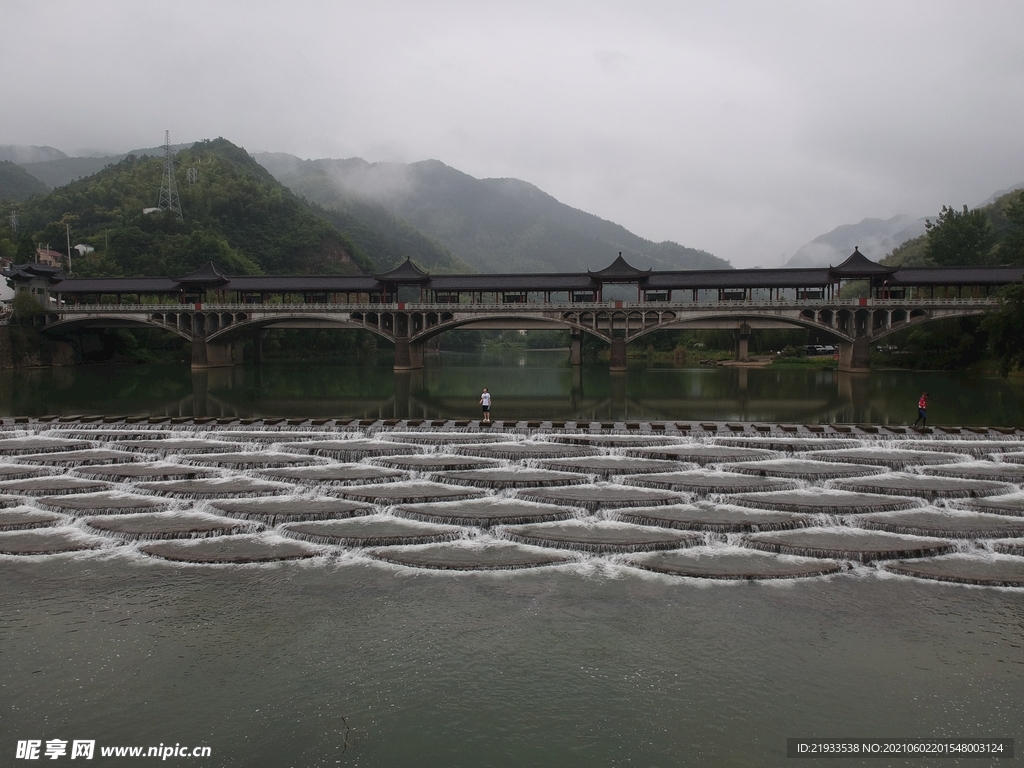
494, 225
18, 184
387, 238
235, 213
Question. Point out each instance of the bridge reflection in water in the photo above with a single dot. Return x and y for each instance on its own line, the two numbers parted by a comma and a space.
526, 386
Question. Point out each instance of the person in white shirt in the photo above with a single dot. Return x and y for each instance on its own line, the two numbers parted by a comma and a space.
485, 401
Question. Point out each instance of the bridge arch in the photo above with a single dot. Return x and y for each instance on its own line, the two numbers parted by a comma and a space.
76, 323
713, 321
496, 322
246, 328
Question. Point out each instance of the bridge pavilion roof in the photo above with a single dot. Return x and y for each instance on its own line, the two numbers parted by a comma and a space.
32, 271
304, 284
244, 284
738, 278
620, 269
1001, 275
540, 281
206, 275
405, 273
857, 265
125, 285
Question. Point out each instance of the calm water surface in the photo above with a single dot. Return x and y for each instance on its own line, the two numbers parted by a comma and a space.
525, 385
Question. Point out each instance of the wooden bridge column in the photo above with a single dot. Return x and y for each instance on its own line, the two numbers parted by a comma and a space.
408, 355
575, 348
618, 362
855, 355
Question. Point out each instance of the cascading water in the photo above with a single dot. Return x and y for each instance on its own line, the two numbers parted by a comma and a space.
769, 506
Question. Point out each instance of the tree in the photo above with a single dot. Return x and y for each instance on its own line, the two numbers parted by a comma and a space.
26, 308
959, 238
1011, 250
1005, 327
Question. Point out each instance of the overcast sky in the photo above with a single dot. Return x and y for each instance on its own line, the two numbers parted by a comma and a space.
744, 128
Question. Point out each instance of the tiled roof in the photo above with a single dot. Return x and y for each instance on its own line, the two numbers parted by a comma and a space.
619, 269
510, 283
304, 283
859, 265
737, 278
211, 277
267, 284
208, 274
406, 272
30, 271
125, 285
957, 276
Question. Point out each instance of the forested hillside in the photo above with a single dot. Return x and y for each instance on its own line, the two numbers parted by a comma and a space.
992, 234
235, 213
17, 184
371, 226
58, 171
494, 225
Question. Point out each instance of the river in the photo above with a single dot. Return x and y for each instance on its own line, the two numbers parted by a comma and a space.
347, 659
524, 385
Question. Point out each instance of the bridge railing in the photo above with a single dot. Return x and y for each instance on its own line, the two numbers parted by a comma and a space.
737, 304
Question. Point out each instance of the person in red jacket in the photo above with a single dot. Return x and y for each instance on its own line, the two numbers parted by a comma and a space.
922, 410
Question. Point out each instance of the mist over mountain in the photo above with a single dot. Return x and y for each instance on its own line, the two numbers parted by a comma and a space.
493, 225
58, 171
29, 154
874, 237
1001, 193
386, 238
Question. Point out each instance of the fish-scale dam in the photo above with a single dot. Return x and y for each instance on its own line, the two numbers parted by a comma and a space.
706, 501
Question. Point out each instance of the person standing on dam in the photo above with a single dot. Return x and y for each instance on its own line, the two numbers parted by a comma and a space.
485, 402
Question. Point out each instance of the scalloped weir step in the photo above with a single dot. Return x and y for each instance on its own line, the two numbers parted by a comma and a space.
274, 511
599, 537
45, 542
484, 512
164, 526
732, 564
986, 571
459, 557
847, 544
238, 550
715, 519
371, 532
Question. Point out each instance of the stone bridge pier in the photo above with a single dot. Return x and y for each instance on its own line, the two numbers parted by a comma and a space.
207, 353
408, 354
855, 356
211, 354
575, 347
742, 343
